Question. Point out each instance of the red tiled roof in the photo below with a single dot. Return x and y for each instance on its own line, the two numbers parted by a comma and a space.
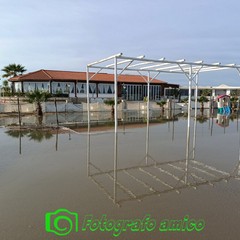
47, 75
222, 96
55, 75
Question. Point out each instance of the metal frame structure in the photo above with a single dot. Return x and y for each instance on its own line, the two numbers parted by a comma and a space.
152, 68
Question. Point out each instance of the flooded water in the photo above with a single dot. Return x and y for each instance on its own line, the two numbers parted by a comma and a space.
144, 175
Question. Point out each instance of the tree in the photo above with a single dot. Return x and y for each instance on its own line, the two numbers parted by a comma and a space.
234, 100
35, 135
177, 93
6, 89
5, 83
162, 104
13, 70
38, 97
206, 92
201, 119
203, 98
111, 102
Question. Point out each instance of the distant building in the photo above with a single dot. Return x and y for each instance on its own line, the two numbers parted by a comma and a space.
214, 91
73, 84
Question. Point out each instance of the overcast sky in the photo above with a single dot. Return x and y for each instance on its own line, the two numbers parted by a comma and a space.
68, 34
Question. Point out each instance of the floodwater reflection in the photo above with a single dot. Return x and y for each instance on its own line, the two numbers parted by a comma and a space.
164, 168
68, 119
153, 177
37, 135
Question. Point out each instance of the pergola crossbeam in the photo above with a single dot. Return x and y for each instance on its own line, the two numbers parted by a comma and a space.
90, 78
153, 66
125, 67
141, 61
104, 60
125, 61
133, 69
119, 63
143, 77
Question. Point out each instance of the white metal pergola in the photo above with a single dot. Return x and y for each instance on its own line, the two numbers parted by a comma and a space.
152, 68
149, 69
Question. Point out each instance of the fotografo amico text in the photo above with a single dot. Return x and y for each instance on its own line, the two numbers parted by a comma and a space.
62, 222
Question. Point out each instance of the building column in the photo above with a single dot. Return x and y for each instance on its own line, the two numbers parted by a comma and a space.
75, 88
22, 89
97, 90
213, 92
50, 87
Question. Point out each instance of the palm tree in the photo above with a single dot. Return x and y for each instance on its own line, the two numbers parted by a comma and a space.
39, 136
201, 118
13, 70
234, 100
111, 102
203, 98
35, 135
6, 89
38, 97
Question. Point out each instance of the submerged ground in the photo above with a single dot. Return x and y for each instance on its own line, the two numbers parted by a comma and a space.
139, 172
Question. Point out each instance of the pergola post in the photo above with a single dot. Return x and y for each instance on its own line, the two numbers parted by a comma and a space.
196, 94
190, 79
116, 126
115, 94
195, 116
88, 103
88, 153
148, 95
115, 157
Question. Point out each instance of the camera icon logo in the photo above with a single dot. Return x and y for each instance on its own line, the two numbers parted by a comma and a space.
61, 222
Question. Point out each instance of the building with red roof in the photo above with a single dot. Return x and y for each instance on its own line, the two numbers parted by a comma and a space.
134, 87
